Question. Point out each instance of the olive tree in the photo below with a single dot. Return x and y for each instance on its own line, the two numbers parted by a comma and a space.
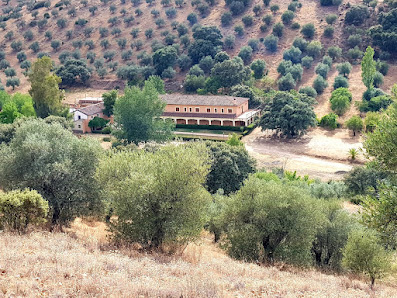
57, 164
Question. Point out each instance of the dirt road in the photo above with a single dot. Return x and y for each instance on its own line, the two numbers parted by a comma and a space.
320, 154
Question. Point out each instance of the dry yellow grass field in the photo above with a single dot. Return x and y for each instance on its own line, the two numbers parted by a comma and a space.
80, 264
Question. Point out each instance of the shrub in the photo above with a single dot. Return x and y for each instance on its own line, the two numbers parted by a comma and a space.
286, 83
382, 67
229, 42
354, 40
254, 44
355, 123
334, 52
245, 54
287, 17
169, 202
355, 54
237, 7
192, 18
293, 54
271, 43
248, 20
258, 66
364, 255
226, 19
239, 30
192, 83
322, 70
319, 84
308, 30
295, 26
274, 8
327, 60
340, 100
309, 91
344, 69
341, 81
244, 220
300, 43
19, 209
267, 19
378, 79
356, 15
314, 49
329, 121
278, 29
331, 18
329, 31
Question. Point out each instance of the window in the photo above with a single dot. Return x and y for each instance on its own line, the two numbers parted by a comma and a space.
190, 109
222, 111
79, 117
177, 109
216, 110
208, 110
229, 111
185, 109
79, 126
197, 110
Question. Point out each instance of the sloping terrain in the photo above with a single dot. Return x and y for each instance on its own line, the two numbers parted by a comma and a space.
45, 264
310, 12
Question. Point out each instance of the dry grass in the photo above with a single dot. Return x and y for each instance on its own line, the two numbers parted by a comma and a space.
74, 265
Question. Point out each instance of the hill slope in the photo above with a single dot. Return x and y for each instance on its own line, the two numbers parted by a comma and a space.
59, 265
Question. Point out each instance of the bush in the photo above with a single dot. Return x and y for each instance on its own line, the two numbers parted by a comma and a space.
314, 49
341, 81
334, 52
327, 60
288, 206
378, 79
308, 30
192, 83
267, 19
248, 21
355, 123
309, 91
356, 15
331, 18
287, 17
322, 70
286, 83
258, 66
307, 62
355, 54
300, 43
329, 121
271, 43
363, 254
344, 69
293, 54
354, 40
168, 201
320, 84
382, 67
340, 100
236, 7
245, 54
295, 26
226, 19
239, 30
19, 209
329, 31
278, 29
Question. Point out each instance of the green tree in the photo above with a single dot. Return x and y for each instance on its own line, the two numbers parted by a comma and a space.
97, 123
50, 159
289, 113
74, 72
137, 116
164, 58
368, 68
9, 112
355, 124
229, 72
364, 255
234, 140
158, 198
109, 99
19, 209
230, 166
267, 221
44, 88
258, 66
332, 236
340, 100
380, 213
381, 143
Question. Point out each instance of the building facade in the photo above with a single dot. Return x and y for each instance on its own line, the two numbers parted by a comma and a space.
208, 110
82, 116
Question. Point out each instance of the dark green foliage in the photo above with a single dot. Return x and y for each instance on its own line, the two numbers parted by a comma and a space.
289, 113
239, 30
287, 17
245, 54
320, 84
258, 67
192, 83
382, 67
308, 30
248, 20
334, 52
206, 64
356, 15
271, 43
286, 83
278, 29
230, 166
164, 58
229, 72
329, 31
293, 54
322, 70
331, 18
309, 91
314, 49
340, 81
329, 121
74, 72
300, 43
340, 100
354, 40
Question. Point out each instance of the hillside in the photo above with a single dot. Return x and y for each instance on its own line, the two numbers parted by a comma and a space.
72, 11
57, 264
